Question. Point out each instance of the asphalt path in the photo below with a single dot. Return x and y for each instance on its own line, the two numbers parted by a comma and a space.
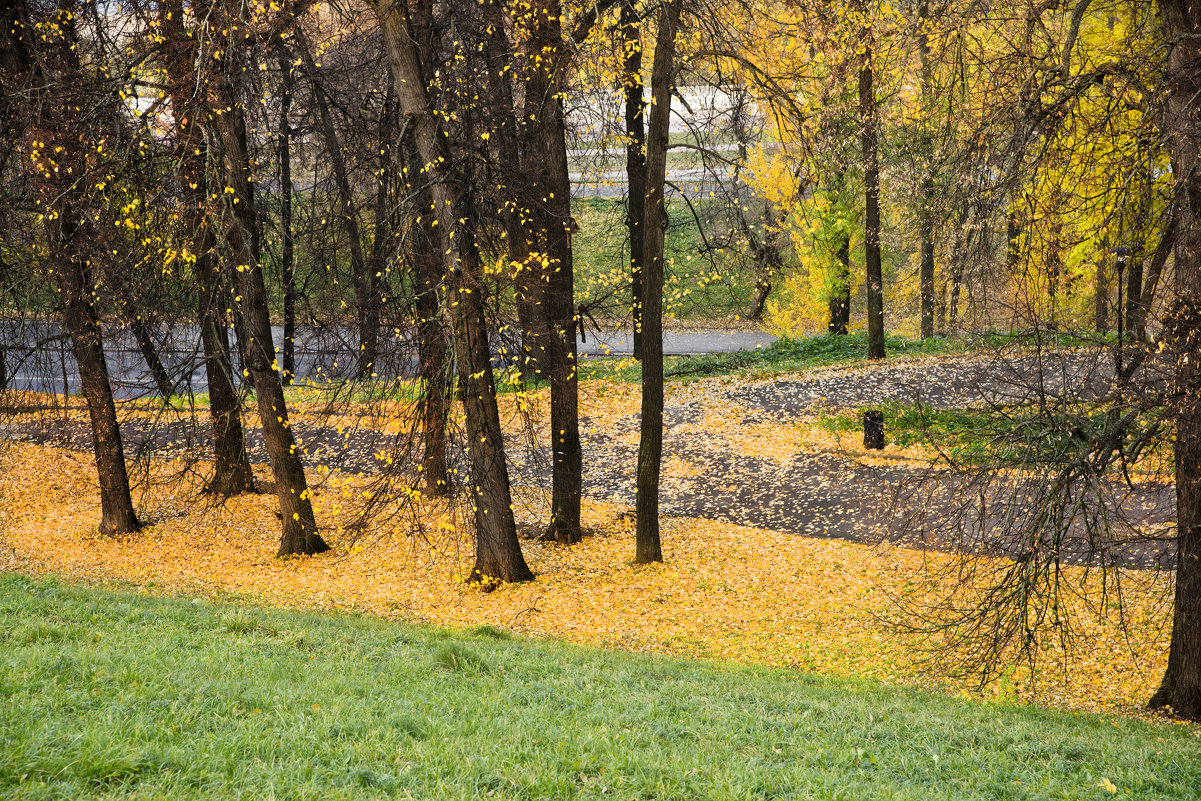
39, 359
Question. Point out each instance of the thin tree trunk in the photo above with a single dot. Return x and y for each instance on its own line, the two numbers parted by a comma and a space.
547, 151
630, 28
1101, 298
432, 359
840, 295
232, 474
871, 184
498, 552
1159, 259
242, 247
287, 263
926, 210
650, 450
528, 281
1134, 294
1181, 687
141, 334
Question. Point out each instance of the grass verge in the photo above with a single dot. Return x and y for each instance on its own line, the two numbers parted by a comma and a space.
113, 694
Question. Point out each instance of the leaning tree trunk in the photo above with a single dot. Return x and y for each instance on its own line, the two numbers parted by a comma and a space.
650, 450
498, 552
1181, 687
630, 27
871, 184
67, 234
57, 111
242, 247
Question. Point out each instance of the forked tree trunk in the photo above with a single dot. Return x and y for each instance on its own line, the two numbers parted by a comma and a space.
242, 249
871, 184
650, 450
1181, 687
498, 552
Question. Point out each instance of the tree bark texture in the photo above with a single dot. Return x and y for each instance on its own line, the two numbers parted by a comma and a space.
630, 28
650, 450
1181, 687
41, 59
241, 233
871, 184
498, 552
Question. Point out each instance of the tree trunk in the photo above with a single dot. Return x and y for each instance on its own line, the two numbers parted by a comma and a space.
141, 335
926, 210
1134, 294
547, 152
1101, 298
232, 474
840, 294
287, 264
498, 552
242, 248
630, 28
1159, 259
1181, 687
57, 115
650, 449
871, 183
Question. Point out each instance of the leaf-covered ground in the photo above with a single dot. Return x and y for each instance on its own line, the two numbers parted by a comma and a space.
750, 593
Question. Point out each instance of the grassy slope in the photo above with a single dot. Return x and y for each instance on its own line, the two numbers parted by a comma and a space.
111, 694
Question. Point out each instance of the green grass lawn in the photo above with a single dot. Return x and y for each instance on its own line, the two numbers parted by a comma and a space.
114, 695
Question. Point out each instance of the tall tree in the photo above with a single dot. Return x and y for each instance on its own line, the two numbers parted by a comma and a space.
241, 245
498, 552
1181, 686
63, 116
871, 185
630, 29
926, 191
546, 153
232, 474
287, 244
650, 450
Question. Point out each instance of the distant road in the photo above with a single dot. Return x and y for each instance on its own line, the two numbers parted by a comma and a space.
38, 357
